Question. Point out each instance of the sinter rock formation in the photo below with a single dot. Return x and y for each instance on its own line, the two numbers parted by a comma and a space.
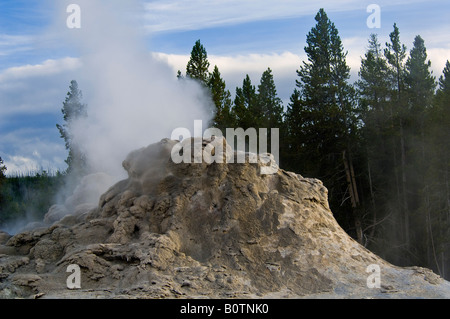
202, 230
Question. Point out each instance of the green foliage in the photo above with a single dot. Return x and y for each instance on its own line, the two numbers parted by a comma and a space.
28, 197
73, 110
323, 84
258, 107
326, 112
405, 169
419, 80
442, 99
379, 139
373, 85
2, 169
292, 150
197, 67
269, 105
222, 101
2, 178
245, 104
436, 190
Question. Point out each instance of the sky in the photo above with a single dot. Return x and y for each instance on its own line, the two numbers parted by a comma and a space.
40, 54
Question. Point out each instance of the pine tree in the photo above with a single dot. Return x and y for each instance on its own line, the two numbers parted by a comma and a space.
442, 138
442, 99
268, 102
2, 169
222, 100
395, 53
444, 84
437, 128
330, 130
2, 178
245, 109
374, 96
373, 85
324, 84
420, 86
270, 109
198, 65
295, 119
419, 80
73, 110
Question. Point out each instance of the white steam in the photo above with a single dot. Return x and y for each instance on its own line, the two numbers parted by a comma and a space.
133, 98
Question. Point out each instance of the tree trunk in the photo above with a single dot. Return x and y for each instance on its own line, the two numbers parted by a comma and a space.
372, 197
398, 236
447, 186
404, 187
433, 246
351, 181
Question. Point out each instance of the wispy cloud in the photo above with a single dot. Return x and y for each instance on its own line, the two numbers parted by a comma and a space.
10, 44
47, 67
197, 14
176, 15
13, 40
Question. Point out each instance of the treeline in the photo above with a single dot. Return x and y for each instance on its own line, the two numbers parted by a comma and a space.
27, 197
380, 145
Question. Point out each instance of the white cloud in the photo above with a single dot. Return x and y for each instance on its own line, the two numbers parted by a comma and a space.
438, 58
242, 64
36, 88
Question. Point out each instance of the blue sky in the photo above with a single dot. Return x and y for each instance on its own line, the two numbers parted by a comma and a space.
241, 37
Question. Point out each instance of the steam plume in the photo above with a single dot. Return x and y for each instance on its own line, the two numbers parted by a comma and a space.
133, 98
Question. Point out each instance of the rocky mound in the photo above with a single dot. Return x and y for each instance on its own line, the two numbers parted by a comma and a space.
203, 230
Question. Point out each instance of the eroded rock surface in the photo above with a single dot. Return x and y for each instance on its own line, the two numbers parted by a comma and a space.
202, 230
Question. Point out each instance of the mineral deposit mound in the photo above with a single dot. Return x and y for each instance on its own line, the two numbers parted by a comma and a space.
203, 230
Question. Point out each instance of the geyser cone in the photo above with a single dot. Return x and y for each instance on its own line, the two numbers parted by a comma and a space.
216, 230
